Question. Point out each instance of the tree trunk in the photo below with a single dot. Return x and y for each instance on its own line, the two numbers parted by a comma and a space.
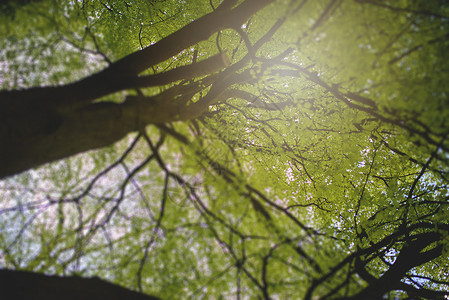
44, 124
20, 285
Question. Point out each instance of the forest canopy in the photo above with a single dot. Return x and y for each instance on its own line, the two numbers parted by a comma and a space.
228, 149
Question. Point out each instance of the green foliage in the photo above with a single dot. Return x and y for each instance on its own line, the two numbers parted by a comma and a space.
280, 195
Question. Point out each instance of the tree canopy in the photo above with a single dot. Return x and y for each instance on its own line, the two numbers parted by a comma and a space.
228, 149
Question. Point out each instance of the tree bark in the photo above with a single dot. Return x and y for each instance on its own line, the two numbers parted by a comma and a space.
20, 285
44, 124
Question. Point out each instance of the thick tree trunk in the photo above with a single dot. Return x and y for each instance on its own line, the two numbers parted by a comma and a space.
20, 285
44, 124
